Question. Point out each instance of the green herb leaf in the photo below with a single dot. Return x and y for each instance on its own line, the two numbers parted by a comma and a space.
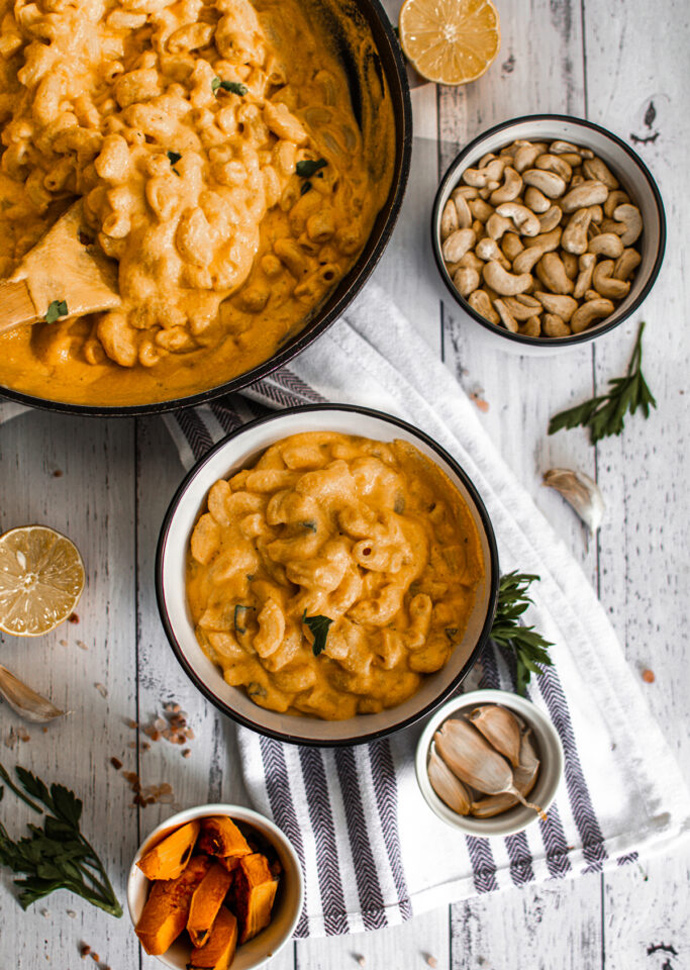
240, 618
56, 856
604, 415
233, 86
57, 309
528, 647
319, 627
174, 158
306, 187
309, 167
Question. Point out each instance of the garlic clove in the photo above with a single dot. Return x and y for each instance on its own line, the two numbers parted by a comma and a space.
525, 774
500, 729
469, 756
447, 786
581, 492
25, 701
493, 805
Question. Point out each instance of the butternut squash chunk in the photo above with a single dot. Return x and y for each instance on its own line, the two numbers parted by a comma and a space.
166, 911
253, 894
206, 902
218, 952
167, 859
220, 836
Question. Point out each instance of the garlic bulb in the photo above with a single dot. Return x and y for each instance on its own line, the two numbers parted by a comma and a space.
581, 492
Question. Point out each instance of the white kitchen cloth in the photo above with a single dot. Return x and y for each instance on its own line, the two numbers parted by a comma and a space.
372, 852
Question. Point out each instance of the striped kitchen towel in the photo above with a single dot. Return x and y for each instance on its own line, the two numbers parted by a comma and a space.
372, 852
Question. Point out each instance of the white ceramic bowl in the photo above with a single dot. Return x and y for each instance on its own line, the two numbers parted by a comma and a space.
549, 751
242, 448
288, 902
635, 179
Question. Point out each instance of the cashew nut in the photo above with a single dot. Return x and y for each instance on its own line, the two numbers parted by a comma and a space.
497, 225
574, 238
595, 168
457, 244
511, 188
531, 327
626, 263
631, 216
555, 326
480, 209
561, 147
503, 282
605, 285
614, 200
548, 183
574, 159
551, 218
590, 311
449, 219
479, 177
551, 272
487, 249
463, 212
523, 311
562, 305
584, 280
597, 214
480, 301
554, 163
606, 244
610, 225
570, 263
536, 200
469, 259
511, 245
587, 192
525, 261
464, 191
523, 218
525, 155
465, 280
507, 318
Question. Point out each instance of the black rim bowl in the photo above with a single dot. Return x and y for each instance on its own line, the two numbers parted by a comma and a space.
452, 176
492, 581
391, 62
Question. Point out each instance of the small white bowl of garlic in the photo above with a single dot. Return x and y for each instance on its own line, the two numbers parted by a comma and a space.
489, 763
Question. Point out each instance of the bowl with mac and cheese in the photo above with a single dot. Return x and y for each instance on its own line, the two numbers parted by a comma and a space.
241, 164
327, 575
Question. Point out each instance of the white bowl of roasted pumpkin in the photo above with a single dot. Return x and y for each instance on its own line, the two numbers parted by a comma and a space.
215, 887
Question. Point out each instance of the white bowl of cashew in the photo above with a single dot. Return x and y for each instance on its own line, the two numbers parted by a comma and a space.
486, 266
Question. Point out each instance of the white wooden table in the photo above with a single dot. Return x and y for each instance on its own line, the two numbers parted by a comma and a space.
107, 483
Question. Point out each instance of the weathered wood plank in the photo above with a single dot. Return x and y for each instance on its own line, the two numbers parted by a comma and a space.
76, 476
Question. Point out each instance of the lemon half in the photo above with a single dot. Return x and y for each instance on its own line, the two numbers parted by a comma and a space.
41, 580
450, 41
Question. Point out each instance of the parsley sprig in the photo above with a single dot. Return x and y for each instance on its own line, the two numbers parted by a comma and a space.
604, 415
233, 86
319, 627
56, 856
528, 647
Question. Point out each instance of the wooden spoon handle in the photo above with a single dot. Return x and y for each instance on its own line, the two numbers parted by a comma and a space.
16, 305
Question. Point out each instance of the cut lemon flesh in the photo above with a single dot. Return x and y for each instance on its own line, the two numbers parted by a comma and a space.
41, 580
450, 41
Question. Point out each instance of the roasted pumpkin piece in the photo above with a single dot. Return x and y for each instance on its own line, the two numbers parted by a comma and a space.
254, 890
218, 952
220, 836
206, 902
166, 911
167, 859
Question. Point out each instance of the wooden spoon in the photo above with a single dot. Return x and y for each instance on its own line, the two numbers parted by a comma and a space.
65, 266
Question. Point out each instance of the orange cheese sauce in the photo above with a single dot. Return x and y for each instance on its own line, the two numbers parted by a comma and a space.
190, 129
334, 575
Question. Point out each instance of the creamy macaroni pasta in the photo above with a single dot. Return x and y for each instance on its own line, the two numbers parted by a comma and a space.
221, 164
332, 576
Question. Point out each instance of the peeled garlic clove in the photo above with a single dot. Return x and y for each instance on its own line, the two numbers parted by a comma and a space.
581, 492
493, 805
474, 761
25, 701
500, 729
447, 786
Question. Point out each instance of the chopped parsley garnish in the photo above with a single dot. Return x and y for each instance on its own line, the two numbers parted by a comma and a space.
174, 157
319, 627
233, 86
305, 188
57, 309
308, 167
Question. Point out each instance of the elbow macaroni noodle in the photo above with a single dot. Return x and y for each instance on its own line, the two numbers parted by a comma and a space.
371, 536
182, 125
